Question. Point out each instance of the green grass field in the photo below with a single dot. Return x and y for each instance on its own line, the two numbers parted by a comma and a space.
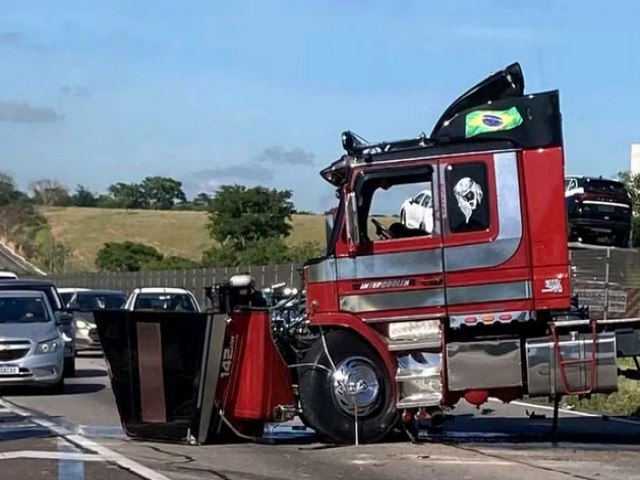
86, 230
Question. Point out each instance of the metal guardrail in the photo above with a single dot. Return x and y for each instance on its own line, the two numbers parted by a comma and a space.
192, 279
607, 281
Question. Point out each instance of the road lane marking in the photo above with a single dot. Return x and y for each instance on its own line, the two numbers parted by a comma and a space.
86, 444
69, 468
572, 412
47, 455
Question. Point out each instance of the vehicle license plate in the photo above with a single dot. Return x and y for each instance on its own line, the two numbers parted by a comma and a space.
9, 370
606, 209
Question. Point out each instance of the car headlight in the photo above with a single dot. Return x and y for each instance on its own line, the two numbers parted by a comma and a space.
82, 324
49, 346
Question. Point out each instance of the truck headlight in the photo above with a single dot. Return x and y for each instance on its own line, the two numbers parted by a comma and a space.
49, 346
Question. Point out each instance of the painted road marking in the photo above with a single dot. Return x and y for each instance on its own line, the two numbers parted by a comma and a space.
86, 444
69, 467
47, 455
441, 461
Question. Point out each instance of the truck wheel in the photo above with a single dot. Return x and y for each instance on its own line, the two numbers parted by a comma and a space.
360, 383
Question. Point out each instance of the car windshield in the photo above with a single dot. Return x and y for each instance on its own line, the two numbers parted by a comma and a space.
164, 301
23, 310
97, 301
48, 290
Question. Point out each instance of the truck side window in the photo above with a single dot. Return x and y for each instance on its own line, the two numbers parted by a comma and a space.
401, 201
467, 202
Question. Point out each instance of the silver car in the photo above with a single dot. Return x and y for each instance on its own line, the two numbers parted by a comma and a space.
31, 344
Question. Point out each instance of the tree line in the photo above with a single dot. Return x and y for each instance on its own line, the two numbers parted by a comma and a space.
26, 230
248, 226
152, 193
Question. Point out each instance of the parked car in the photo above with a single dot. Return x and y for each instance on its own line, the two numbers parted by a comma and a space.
63, 316
31, 344
417, 211
82, 303
599, 211
67, 292
154, 298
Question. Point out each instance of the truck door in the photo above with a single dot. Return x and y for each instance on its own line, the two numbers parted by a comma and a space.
396, 271
485, 257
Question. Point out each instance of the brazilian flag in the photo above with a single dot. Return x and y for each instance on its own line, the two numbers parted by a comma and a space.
487, 121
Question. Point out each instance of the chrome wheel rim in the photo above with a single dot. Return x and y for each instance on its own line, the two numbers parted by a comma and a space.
356, 387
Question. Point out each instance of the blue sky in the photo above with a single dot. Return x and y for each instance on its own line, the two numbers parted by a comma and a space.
257, 92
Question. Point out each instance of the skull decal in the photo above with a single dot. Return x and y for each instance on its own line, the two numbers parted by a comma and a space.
469, 195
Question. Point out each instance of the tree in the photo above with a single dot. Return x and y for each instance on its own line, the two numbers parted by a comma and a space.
632, 182
50, 192
202, 201
173, 262
125, 256
161, 193
84, 197
239, 215
7, 189
127, 195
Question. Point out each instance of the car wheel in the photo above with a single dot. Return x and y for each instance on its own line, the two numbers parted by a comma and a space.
328, 398
69, 367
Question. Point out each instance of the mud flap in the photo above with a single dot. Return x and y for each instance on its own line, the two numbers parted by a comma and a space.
164, 369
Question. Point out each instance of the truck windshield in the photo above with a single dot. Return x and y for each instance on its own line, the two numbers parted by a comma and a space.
23, 310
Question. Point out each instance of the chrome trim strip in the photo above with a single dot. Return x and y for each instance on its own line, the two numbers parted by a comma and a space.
490, 254
422, 262
432, 297
405, 318
324, 271
490, 292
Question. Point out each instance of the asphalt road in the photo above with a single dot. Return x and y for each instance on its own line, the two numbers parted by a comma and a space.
77, 436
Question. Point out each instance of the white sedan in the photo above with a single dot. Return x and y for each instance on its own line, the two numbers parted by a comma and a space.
154, 298
417, 211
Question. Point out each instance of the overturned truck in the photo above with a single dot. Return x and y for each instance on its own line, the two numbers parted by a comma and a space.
399, 322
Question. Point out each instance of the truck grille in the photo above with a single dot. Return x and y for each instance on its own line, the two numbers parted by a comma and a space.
13, 350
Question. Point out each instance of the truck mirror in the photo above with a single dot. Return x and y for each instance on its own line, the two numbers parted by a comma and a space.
328, 227
353, 232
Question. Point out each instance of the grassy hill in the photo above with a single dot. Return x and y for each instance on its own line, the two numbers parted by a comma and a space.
85, 230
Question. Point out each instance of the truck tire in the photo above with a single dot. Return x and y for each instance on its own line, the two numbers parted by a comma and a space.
328, 406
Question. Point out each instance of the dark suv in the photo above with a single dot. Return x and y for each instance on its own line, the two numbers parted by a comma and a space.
599, 211
64, 317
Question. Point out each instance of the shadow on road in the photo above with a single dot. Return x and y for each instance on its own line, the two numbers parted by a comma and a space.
88, 373
69, 389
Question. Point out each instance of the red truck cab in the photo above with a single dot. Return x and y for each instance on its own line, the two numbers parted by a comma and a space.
446, 277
